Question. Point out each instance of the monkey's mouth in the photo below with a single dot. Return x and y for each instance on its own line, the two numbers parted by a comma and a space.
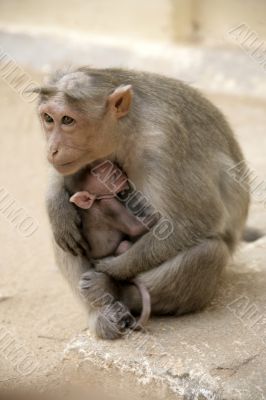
65, 164
65, 168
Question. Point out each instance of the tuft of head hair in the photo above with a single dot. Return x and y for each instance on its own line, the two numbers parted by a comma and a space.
87, 89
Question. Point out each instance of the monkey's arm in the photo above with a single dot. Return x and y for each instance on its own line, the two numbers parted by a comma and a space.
64, 218
148, 252
187, 224
145, 254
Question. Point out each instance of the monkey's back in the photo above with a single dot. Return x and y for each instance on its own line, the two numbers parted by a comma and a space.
182, 136
199, 144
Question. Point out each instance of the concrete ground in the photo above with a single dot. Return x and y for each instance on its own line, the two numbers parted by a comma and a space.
217, 354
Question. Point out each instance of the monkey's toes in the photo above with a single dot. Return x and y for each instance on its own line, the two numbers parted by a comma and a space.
114, 321
93, 286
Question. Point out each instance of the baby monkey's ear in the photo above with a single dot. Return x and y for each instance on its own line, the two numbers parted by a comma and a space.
119, 101
82, 199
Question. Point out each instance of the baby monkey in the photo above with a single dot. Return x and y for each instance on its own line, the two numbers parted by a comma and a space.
108, 226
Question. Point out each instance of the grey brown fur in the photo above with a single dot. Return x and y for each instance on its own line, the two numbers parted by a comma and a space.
176, 147
107, 225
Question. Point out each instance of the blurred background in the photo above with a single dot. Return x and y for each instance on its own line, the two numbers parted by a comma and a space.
217, 46
190, 21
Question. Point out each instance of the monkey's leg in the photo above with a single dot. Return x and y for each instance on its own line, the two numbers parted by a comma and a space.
100, 291
108, 317
183, 284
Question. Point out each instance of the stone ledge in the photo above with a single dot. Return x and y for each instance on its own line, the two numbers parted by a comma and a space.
216, 354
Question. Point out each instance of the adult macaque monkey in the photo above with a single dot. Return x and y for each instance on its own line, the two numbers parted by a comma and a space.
176, 148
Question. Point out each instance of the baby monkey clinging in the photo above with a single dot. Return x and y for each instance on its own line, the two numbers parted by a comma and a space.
108, 226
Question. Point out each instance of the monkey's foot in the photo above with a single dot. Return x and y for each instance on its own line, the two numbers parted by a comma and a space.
114, 321
113, 318
97, 288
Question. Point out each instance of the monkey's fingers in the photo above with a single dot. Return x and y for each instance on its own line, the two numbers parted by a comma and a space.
63, 244
77, 242
79, 248
74, 244
72, 251
84, 247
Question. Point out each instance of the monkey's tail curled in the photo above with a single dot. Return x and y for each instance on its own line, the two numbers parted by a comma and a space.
146, 304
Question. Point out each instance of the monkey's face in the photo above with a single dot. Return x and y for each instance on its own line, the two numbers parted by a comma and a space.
73, 140
82, 132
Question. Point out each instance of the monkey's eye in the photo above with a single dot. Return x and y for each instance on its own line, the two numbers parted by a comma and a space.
66, 120
47, 118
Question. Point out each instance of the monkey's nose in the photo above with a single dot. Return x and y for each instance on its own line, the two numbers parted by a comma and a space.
52, 155
54, 152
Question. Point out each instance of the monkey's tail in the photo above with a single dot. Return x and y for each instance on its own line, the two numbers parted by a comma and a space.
251, 234
146, 304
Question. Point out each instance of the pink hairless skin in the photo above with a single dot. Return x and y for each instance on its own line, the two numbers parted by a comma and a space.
107, 224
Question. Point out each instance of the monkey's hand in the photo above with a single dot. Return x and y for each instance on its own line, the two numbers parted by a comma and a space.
114, 268
65, 220
68, 235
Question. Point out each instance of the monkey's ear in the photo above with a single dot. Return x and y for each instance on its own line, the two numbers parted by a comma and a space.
120, 100
82, 199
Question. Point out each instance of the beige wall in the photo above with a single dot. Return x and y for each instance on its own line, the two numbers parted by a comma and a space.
163, 20
148, 19
216, 17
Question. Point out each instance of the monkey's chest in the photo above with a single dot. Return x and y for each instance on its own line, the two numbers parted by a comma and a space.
99, 232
